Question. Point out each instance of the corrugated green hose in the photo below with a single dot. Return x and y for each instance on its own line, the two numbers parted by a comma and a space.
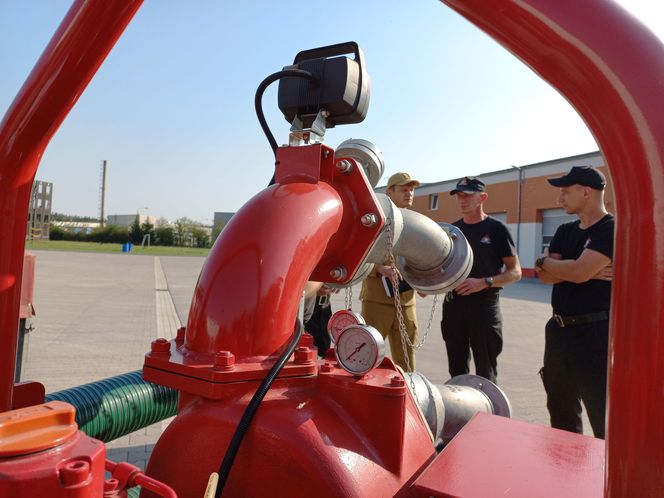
117, 406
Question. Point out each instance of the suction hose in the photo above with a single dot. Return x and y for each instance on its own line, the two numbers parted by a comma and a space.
111, 408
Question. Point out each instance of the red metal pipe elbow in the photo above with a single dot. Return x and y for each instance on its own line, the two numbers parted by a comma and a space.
249, 290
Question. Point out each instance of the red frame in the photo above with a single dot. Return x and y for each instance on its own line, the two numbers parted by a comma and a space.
601, 59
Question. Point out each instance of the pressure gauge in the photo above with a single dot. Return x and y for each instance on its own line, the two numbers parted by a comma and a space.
342, 319
360, 349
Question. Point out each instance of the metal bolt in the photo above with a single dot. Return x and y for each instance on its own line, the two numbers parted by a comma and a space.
324, 113
224, 361
180, 334
160, 345
307, 340
397, 381
74, 472
344, 166
339, 273
327, 368
110, 485
303, 355
369, 219
326, 153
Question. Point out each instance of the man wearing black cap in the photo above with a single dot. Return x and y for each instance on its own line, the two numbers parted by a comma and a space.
578, 263
471, 314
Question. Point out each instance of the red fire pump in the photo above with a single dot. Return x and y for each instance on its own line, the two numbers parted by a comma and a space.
254, 403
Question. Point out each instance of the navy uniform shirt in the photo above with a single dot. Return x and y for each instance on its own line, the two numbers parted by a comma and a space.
491, 241
569, 298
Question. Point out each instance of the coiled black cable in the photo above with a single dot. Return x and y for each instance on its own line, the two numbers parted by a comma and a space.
250, 411
258, 101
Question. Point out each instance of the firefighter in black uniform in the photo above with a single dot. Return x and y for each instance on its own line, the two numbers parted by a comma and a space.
471, 313
578, 263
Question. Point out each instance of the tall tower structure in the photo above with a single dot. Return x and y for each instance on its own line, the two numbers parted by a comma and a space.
102, 193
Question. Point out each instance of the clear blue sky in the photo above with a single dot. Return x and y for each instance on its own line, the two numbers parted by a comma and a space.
171, 109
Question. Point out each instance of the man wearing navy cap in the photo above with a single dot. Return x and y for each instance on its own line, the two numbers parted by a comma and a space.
471, 314
578, 263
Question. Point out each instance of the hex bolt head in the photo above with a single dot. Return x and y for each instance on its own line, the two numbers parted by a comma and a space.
397, 381
338, 273
326, 367
160, 345
307, 340
303, 355
180, 334
369, 219
344, 166
224, 361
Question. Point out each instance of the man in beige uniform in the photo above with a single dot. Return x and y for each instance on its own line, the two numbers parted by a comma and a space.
378, 308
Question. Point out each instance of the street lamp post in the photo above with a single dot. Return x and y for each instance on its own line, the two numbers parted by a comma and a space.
518, 206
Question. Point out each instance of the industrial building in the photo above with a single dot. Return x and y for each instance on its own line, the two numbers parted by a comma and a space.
521, 198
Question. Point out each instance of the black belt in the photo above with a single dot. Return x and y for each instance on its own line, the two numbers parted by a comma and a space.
566, 321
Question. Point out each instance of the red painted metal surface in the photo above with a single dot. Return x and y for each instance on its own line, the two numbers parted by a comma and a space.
71, 466
28, 286
496, 456
27, 393
125, 475
248, 293
329, 435
611, 69
247, 296
77, 49
349, 246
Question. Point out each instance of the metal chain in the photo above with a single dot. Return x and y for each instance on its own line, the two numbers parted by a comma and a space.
348, 299
397, 305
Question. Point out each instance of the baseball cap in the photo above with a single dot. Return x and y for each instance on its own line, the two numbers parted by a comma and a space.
581, 175
469, 184
401, 179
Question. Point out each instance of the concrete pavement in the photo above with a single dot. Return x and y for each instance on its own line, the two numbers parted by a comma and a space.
98, 313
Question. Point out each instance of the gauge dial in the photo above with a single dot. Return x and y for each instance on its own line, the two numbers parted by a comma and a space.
360, 349
340, 320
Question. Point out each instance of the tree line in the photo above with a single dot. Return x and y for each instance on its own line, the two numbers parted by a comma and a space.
183, 232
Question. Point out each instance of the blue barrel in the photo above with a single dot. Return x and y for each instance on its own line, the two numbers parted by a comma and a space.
126, 247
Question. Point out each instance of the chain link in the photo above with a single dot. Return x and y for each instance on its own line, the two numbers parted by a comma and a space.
397, 305
348, 299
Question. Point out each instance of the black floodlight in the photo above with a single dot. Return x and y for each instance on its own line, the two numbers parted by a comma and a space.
341, 86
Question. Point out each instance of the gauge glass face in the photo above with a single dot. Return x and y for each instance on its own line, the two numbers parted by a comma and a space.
358, 350
340, 320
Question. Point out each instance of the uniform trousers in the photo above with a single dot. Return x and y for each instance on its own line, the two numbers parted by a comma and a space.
473, 322
574, 371
384, 318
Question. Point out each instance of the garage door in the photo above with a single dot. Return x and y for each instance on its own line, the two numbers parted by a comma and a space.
551, 220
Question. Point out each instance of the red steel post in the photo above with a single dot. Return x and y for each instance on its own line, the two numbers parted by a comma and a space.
611, 69
77, 49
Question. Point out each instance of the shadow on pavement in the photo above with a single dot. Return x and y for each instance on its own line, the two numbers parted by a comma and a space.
529, 289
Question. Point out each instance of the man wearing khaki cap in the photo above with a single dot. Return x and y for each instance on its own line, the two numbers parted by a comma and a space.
378, 306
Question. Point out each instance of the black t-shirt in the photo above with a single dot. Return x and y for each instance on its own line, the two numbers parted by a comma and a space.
491, 242
568, 298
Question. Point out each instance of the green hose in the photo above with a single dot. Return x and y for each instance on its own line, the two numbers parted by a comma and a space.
117, 406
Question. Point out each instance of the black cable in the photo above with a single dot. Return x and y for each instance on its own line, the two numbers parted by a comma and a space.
250, 411
258, 101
